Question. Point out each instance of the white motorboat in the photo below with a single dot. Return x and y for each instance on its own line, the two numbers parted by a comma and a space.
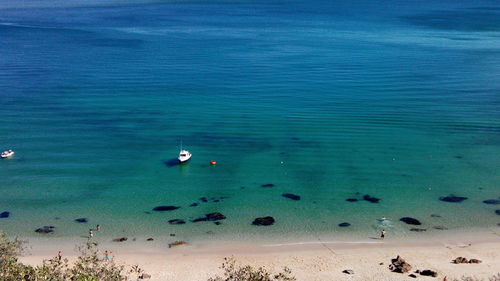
184, 156
7, 153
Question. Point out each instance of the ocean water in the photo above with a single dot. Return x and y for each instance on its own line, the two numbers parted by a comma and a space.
328, 100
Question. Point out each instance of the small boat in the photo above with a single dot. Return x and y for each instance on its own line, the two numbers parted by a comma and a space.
184, 156
7, 153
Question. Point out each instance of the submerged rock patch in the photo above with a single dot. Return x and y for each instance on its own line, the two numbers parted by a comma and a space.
418, 229
371, 199
45, 229
411, 221
176, 221
165, 208
267, 185
352, 200
194, 205
291, 196
211, 217
263, 221
491, 202
82, 220
452, 199
344, 224
497, 212
4, 215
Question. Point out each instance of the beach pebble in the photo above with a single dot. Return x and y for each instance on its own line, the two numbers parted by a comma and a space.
122, 239
370, 199
409, 220
267, 185
45, 229
344, 224
348, 271
453, 199
459, 260
263, 221
412, 275
492, 202
351, 200
4, 215
165, 208
176, 243
475, 261
82, 220
176, 221
291, 196
145, 276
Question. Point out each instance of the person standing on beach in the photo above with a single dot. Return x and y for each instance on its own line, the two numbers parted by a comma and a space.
382, 234
91, 233
98, 227
59, 256
106, 255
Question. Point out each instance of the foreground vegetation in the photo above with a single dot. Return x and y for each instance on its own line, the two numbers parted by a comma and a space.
89, 266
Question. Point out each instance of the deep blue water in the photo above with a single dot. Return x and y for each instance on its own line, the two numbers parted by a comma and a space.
328, 100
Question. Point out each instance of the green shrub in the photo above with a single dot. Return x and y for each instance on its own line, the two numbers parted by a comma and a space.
233, 272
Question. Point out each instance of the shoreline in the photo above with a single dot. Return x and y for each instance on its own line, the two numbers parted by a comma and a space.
308, 260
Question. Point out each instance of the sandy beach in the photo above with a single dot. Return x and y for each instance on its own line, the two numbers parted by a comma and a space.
308, 260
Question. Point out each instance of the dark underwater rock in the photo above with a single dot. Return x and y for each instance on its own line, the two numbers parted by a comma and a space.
204, 199
452, 199
176, 221
267, 185
150, 239
291, 196
216, 201
440, 227
211, 217
165, 208
263, 221
352, 200
344, 224
121, 239
497, 212
45, 229
370, 199
4, 215
418, 229
411, 221
492, 201
194, 205
435, 216
217, 223
82, 220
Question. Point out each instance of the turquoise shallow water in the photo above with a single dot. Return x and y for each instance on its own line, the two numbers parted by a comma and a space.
329, 101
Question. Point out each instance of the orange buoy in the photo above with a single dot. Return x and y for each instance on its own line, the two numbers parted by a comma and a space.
213, 162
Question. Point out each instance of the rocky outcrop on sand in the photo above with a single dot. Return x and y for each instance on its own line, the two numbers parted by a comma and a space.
411, 221
348, 271
263, 221
399, 265
428, 272
291, 196
459, 260
165, 208
453, 199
